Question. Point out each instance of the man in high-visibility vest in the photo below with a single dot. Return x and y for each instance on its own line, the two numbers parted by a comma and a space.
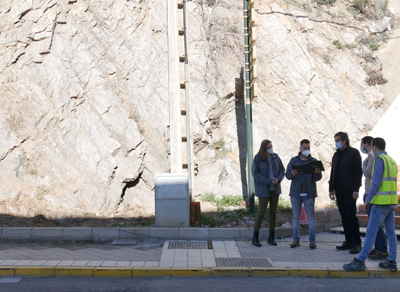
383, 201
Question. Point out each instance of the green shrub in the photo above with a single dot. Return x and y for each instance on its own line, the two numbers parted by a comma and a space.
231, 200
325, 2
361, 4
209, 197
225, 201
351, 46
232, 216
327, 59
373, 45
284, 205
208, 221
338, 44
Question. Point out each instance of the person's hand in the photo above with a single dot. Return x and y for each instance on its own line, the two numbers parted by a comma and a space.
332, 195
317, 170
355, 195
294, 172
366, 206
275, 181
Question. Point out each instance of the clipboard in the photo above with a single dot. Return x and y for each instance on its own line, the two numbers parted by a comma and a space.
309, 167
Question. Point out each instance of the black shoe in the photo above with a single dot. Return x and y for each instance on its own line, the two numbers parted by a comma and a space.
391, 266
255, 241
372, 252
355, 249
295, 243
313, 245
345, 246
378, 255
271, 238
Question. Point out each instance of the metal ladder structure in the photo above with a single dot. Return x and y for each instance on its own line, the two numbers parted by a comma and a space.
180, 108
180, 121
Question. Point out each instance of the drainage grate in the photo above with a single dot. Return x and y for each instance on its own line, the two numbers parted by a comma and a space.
243, 262
188, 245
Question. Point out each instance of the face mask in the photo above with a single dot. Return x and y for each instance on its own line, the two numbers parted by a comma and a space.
363, 150
306, 152
338, 145
372, 153
270, 151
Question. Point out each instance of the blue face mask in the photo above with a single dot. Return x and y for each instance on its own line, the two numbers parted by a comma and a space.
363, 150
338, 145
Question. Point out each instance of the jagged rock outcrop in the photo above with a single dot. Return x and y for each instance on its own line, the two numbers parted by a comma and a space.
84, 98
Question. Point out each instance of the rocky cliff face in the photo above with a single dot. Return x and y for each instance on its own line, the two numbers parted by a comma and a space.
84, 98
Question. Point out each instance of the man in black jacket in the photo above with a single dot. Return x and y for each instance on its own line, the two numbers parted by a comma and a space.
344, 184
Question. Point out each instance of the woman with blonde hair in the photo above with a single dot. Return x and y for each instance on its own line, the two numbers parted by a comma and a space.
268, 172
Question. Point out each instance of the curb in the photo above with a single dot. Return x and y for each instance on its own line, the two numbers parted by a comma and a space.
128, 233
132, 272
47, 234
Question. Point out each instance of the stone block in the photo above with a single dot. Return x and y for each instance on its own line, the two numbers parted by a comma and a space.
164, 232
246, 233
264, 233
224, 233
320, 227
47, 233
194, 233
322, 216
282, 232
331, 224
134, 233
103, 234
331, 214
77, 233
335, 214
17, 233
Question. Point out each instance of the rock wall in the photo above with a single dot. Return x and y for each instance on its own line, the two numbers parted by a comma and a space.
84, 98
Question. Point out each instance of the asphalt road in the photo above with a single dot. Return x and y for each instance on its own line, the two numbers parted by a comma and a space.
197, 284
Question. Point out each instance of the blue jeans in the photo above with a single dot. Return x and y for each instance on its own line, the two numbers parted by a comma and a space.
296, 209
380, 240
379, 214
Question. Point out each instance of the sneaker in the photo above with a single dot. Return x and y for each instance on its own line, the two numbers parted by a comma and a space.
387, 265
355, 249
378, 255
313, 245
373, 251
295, 243
355, 265
345, 245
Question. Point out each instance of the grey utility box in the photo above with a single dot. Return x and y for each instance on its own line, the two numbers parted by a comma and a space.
172, 199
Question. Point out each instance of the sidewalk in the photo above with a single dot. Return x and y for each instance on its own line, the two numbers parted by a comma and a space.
155, 257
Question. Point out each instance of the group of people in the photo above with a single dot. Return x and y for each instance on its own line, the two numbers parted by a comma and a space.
380, 197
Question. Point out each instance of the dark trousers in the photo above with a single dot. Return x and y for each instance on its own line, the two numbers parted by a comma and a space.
262, 209
380, 239
348, 211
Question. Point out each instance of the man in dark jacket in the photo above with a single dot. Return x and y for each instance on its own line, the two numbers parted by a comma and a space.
303, 190
344, 184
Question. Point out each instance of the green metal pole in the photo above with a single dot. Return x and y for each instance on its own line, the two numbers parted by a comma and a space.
249, 122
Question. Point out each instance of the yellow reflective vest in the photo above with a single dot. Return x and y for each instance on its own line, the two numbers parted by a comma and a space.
387, 192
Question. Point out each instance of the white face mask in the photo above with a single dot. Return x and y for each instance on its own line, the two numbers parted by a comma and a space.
306, 153
270, 151
372, 153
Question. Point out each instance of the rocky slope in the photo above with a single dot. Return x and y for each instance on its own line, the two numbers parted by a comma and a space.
84, 101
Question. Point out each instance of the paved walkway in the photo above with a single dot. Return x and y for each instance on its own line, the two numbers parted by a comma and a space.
157, 253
